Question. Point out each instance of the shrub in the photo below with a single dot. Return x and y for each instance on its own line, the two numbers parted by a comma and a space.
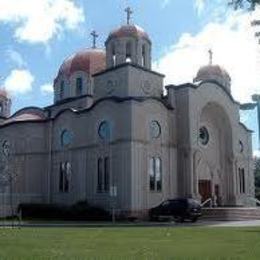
79, 211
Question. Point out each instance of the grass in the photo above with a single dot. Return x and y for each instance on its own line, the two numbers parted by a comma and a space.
130, 243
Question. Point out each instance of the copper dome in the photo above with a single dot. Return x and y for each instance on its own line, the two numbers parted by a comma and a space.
213, 72
3, 93
90, 61
128, 31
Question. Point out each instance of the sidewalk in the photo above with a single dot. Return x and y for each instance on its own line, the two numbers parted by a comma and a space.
202, 223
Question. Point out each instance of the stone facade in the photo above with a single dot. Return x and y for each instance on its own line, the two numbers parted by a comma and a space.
114, 136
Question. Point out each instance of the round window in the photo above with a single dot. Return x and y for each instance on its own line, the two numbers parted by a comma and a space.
155, 129
204, 135
66, 138
104, 130
6, 148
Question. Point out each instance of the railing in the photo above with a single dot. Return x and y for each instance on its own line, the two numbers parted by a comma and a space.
209, 200
255, 200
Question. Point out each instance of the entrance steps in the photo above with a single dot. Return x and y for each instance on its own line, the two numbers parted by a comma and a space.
232, 214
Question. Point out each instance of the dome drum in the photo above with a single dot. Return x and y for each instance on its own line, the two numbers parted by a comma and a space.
129, 43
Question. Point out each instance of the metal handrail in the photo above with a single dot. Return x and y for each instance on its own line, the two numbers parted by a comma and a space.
255, 200
206, 201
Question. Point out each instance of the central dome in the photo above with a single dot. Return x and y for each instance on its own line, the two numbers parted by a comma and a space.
87, 60
129, 30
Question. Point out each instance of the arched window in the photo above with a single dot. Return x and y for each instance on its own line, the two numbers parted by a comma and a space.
79, 86
128, 57
242, 186
143, 56
65, 177
1, 108
113, 55
62, 89
155, 174
103, 175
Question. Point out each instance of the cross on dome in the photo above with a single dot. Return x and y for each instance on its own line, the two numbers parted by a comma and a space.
128, 11
95, 36
210, 57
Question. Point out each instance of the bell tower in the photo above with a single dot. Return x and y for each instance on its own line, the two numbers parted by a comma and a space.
128, 44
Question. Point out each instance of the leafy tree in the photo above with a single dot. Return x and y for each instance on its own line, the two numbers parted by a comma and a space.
251, 4
257, 178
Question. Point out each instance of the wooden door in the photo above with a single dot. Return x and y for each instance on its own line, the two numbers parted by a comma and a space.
205, 189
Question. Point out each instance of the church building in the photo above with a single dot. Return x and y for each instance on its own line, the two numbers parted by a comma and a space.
116, 134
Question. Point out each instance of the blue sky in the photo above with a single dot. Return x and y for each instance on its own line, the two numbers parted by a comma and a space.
37, 35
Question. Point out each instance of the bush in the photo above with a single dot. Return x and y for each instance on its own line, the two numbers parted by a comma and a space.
257, 193
79, 211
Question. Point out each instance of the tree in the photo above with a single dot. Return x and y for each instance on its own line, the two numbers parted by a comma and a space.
257, 178
250, 4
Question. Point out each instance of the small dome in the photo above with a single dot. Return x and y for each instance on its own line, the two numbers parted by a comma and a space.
215, 73
129, 31
90, 61
4, 93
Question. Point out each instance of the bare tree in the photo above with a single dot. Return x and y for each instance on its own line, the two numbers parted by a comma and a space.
249, 4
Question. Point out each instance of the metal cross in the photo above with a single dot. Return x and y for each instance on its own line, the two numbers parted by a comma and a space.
210, 57
128, 12
95, 36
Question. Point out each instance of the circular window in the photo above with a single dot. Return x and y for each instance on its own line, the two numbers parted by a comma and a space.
6, 148
155, 129
104, 130
204, 135
66, 138
241, 146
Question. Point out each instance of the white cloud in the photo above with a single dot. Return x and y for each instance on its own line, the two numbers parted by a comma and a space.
234, 47
16, 58
199, 5
39, 21
19, 82
256, 153
47, 89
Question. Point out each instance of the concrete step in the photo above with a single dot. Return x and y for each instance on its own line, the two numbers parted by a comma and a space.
231, 213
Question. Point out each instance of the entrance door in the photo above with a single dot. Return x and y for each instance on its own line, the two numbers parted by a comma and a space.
205, 189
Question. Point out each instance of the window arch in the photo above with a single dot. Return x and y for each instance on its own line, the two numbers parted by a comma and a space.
155, 174
128, 57
143, 55
64, 177
113, 55
79, 86
62, 89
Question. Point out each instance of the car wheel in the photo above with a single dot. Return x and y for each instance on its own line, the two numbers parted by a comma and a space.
154, 218
178, 219
194, 219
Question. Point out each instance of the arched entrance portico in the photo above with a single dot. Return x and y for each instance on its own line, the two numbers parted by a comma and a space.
213, 167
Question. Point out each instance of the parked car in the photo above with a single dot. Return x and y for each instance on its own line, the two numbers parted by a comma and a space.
178, 209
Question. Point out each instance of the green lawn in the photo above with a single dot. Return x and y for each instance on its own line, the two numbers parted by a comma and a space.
130, 243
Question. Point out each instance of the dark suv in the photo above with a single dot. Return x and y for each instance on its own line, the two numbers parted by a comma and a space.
179, 209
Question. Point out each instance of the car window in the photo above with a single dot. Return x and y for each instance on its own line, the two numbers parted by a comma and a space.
165, 203
193, 203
